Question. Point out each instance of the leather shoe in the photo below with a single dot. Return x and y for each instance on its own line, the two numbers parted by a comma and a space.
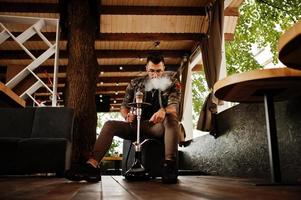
85, 172
170, 172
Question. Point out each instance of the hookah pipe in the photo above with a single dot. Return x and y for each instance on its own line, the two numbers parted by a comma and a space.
137, 171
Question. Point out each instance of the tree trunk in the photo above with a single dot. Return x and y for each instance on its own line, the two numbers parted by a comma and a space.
82, 74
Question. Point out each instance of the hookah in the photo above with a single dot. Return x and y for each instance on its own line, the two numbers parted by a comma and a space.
137, 171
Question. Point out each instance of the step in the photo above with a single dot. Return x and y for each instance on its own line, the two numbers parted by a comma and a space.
31, 89
32, 66
3, 36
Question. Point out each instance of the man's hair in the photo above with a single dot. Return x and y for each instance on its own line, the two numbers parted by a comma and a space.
155, 58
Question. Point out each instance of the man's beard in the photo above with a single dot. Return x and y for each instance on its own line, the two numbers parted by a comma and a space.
161, 83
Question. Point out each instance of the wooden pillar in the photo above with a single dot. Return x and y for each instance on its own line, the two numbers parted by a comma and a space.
82, 73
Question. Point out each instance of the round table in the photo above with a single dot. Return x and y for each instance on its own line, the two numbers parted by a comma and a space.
289, 46
264, 85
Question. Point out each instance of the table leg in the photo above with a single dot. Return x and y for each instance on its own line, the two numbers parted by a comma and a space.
272, 139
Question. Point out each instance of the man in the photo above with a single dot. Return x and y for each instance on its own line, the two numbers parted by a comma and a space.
159, 120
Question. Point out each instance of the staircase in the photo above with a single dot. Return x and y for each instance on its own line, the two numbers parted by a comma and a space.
36, 25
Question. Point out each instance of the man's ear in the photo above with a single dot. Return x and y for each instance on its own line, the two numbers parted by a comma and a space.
146, 67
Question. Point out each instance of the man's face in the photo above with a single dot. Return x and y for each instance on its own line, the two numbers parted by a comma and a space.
155, 70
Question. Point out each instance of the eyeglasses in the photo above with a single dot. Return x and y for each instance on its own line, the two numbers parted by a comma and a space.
155, 70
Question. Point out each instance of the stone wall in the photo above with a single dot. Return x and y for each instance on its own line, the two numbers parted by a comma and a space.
241, 148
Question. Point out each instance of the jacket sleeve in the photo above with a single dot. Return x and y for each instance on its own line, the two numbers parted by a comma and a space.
175, 93
129, 95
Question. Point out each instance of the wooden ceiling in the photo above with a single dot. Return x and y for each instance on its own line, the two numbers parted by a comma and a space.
129, 30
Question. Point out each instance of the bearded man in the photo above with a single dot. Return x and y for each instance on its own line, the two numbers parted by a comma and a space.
160, 120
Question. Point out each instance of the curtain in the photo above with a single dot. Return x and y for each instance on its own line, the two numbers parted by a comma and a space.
211, 48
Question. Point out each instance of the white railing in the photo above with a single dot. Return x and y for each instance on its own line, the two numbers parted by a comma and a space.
36, 25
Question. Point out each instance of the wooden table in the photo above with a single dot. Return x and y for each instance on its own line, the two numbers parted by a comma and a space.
266, 85
10, 99
289, 47
116, 159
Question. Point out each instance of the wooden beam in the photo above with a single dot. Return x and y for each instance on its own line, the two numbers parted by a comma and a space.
99, 89
100, 79
150, 36
106, 68
105, 10
152, 10
29, 7
229, 36
128, 36
20, 54
231, 11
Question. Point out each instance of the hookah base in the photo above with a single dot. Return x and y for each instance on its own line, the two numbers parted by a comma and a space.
137, 174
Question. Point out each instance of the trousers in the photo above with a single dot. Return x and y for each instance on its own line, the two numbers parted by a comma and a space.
168, 129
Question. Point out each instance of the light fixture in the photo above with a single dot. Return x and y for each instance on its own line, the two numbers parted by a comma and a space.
117, 84
116, 93
100, 95
101, 83
115, 101
102, 72
157, 44
120, 68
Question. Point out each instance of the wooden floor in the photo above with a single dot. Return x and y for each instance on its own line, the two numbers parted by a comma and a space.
115, 187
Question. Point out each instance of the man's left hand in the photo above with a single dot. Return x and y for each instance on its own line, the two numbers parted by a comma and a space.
158, 116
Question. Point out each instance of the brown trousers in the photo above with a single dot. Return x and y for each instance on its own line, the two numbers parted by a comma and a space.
169, 130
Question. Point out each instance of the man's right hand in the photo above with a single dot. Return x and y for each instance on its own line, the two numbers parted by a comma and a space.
130, 117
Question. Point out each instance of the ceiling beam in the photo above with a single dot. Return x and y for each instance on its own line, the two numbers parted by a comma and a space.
149, 36
152, 10
106, 68
99, 80
231, 11
29, 7
99, 89
229, 36
128, 36
20, 54
105, 10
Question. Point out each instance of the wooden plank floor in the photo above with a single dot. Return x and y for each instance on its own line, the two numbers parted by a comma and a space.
115, 187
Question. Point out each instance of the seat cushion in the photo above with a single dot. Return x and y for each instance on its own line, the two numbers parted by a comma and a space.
53, 122
8, 155
42, 154
16, 122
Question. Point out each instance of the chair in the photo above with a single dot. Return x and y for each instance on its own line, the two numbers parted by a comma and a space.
152, 156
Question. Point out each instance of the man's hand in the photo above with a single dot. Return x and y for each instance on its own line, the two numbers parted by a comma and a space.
158, 116
130, 117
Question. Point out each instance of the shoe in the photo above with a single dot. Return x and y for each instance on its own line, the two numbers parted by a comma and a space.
84, 172
170, 172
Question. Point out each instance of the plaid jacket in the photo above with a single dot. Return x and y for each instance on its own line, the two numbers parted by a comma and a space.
171, 95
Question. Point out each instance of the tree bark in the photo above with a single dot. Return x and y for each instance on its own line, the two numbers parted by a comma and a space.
81, 74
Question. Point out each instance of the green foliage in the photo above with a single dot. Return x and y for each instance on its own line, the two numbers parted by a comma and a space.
199, 93
261, 22
113, 148
101, 119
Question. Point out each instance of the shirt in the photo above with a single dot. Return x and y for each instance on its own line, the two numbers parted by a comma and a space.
171, 95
